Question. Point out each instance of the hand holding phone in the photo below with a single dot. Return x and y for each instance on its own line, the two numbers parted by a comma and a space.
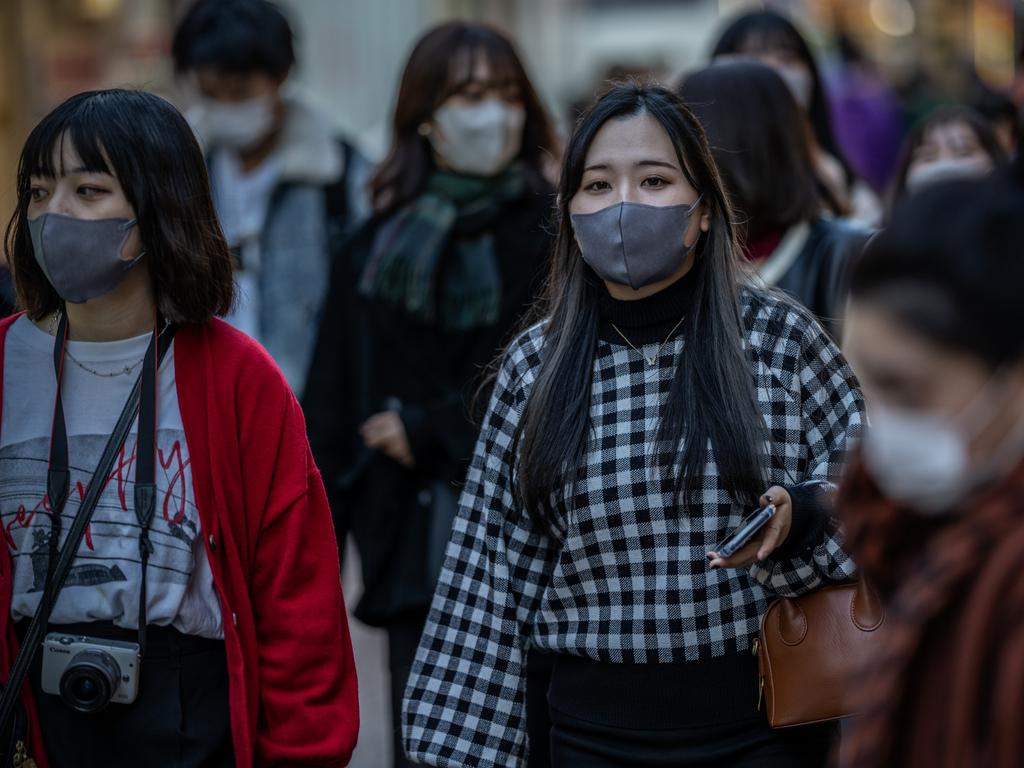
745, 531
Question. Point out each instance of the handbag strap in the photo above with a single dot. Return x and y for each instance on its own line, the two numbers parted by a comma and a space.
58, 573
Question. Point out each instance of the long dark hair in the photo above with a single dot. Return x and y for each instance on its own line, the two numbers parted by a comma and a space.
770, 30
144, 142
943, 115
711, 402
439, 66
759, 140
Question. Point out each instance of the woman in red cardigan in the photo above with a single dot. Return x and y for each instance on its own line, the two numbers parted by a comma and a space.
245, 657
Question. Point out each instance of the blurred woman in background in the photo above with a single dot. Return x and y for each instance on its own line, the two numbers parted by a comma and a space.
421, 301
775, 41
759, 140
951, 142
934, 507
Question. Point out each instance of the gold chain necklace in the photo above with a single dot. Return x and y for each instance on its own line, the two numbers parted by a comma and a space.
651, 361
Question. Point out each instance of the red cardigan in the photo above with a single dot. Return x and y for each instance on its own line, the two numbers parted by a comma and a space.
270, 541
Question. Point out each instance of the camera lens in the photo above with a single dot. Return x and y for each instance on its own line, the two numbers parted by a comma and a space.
90, 681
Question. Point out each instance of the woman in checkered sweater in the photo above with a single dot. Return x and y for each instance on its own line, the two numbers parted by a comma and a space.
657, 401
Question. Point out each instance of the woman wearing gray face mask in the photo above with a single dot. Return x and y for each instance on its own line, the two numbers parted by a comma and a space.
168, 566
934, 506
419, 304
653, 403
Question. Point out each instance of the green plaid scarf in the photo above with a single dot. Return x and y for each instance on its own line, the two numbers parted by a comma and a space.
435, 257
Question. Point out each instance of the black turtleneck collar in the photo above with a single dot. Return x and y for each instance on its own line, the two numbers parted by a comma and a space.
644, 321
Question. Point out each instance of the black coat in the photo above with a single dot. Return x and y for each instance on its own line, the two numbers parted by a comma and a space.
372, 357
818, 277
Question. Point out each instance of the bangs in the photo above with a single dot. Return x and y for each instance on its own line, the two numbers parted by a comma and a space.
951, 115
79, 126
505, 70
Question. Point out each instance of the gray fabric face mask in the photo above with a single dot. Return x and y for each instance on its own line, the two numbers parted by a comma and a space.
634, 244
81, 257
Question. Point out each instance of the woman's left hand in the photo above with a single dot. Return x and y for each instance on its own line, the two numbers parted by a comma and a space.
768, 539
385, 432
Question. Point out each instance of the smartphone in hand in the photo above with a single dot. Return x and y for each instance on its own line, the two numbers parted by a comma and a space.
745, 531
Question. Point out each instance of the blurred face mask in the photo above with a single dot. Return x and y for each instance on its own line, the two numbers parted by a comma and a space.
81, 257
923, 461
634, 244
237, 125
946, 169
478, 139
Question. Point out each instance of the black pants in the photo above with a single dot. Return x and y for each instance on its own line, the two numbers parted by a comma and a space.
538, 719
403, 640
671, 716
179, 719
751, 744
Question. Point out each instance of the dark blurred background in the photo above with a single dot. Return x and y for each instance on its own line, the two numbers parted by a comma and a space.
915, 52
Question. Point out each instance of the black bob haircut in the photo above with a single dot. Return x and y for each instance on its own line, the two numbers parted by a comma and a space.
144, 142
236, 36
760, 142
949, 266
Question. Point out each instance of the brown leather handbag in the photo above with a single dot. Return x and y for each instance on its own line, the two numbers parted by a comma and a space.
812, 648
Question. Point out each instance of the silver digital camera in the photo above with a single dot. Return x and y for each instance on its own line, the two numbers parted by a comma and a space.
89, 673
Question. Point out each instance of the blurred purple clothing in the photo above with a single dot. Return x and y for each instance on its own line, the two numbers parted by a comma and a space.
868, 124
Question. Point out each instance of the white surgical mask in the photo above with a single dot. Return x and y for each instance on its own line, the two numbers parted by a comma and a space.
916, 459
946, 169
236, 125
478, 139
923, 461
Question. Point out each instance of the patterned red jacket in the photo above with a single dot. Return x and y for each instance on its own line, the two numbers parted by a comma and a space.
269, 539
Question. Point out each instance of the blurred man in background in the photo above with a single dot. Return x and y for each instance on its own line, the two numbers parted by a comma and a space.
287, 189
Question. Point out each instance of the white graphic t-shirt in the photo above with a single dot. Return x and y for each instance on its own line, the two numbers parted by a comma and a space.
104, 581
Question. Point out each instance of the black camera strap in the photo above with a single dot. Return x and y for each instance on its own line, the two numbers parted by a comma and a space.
141, 401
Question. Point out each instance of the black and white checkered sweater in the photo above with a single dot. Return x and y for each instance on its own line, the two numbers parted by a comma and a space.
629, 581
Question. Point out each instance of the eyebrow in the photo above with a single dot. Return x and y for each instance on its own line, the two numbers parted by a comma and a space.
70, 171
638, 164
